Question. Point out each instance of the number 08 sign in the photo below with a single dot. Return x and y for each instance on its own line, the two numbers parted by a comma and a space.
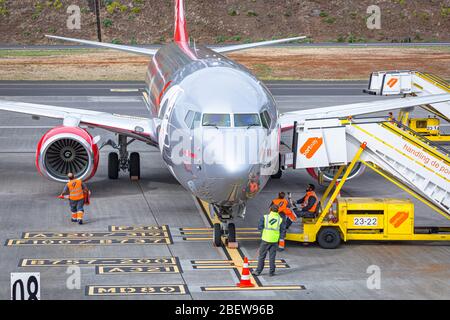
25, 286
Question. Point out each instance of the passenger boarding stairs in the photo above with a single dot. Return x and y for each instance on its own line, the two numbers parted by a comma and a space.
393, 150
388, 83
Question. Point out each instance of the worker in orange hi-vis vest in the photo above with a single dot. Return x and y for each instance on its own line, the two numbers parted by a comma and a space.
76, 191
286, 214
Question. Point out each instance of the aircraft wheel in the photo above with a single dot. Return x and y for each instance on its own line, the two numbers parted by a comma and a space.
113, 166
231, 232
135, 166
217, 235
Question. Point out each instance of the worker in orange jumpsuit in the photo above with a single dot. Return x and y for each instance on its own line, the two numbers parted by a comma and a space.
75, 189
286, 214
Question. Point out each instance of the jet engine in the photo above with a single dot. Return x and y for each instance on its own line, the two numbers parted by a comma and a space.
67, 149
328, 173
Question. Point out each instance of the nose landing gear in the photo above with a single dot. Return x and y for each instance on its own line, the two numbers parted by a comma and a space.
225, 228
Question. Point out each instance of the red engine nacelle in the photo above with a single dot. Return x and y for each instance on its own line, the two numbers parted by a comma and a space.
67, 149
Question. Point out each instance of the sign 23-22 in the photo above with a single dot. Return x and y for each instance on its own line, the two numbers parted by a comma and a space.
365, 221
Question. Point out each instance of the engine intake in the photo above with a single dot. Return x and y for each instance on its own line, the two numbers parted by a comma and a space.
67, 149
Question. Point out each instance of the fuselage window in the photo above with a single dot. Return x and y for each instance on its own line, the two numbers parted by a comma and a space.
247, 120
216, 120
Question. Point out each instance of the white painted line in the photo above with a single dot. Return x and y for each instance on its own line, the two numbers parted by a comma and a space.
124, 90
26, 127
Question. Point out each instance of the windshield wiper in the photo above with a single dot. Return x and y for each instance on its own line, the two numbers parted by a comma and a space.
211, 125
252, 125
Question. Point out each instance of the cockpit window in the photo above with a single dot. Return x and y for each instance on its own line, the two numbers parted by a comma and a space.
189, 118
192, 119
265, 118
216, 120
247, 120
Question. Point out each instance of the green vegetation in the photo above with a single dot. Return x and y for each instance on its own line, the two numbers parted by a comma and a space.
3, 10
56, 4
425, 16
350, 39
400, 2
251, 13
263, 71
136, 10
233, 12
43, 53
116, 6
116, 41
107, 23
323, 14
445, 12
38, 7
220, 39
329, 20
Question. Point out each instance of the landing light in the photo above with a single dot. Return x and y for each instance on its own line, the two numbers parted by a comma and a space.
139, 129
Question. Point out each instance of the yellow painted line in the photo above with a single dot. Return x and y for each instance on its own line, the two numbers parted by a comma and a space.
228, 261
211, 233
201, 229
264, 288
252, 266
209, 239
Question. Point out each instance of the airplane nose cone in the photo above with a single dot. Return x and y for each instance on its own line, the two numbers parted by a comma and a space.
232, 183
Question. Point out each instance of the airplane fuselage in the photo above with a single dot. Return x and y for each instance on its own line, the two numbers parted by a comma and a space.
216, 123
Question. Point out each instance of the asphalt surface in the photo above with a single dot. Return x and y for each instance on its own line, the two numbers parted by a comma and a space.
101, 88
408, 270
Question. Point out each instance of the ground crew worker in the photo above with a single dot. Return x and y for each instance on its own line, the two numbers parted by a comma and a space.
75, 188
285, 212
273, 228
308, 204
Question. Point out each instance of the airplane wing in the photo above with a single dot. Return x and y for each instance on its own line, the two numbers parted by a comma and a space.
135, 127
129, 49
238, 47
287, 119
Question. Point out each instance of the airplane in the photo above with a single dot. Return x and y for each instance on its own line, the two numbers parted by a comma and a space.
197, 98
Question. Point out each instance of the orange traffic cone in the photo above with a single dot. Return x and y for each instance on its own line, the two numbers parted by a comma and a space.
245, 278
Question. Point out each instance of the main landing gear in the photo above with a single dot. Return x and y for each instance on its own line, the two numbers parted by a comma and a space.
225, 228
123, 160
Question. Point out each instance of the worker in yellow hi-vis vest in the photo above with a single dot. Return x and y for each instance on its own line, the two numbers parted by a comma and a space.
75, 190
273, 228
